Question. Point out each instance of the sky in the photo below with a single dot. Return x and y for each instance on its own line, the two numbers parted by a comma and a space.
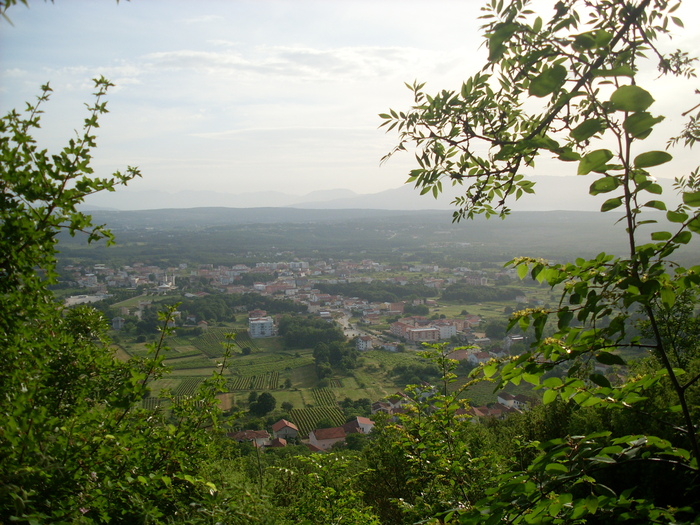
238, 96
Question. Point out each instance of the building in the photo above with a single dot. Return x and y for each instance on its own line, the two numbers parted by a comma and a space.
261, 327
259, 438
285, 429
364, 342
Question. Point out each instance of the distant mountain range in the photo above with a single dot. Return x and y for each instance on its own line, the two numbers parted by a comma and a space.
552, 193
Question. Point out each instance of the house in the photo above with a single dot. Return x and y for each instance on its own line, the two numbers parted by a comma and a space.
364, 342
362, 425
118, 323
257, 314
478, 358
325, 438
518, 402
285, 429
259, 438
278, 443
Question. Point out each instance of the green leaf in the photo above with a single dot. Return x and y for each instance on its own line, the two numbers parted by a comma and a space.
568, 155
611, 204
604, 185
549, 81
657, 205
668, 297
600, 380
592, 504
651, 158
631, 98
594, 161
694, 225
640, 124
522, 271
556, 467
549, 396
676, 216
501, 33
691, 198
587, 129
684, 237
661, 236
609, 359
621, 71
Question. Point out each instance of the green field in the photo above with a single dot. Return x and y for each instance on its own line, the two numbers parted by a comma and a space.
270, 367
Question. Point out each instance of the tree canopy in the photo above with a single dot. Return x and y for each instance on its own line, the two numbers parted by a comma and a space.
568, 85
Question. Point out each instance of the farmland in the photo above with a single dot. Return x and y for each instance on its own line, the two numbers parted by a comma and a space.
267, 365
306, 419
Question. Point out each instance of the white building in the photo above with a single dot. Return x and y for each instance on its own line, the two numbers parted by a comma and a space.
261, 327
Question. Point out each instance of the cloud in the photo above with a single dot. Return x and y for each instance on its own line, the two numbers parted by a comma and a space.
289, 61
226, 134
14, 72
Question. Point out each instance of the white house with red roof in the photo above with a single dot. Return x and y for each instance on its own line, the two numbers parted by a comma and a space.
285, 429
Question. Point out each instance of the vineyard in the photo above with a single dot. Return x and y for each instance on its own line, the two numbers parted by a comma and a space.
243, 340
153, 403
212, 342
189, 363
188, 387
269, 363
324, 397
307, 419
265, 381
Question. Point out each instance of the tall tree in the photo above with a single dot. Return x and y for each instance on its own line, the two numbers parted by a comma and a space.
567, 86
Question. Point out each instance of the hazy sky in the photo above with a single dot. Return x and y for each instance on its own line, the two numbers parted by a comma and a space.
241, 96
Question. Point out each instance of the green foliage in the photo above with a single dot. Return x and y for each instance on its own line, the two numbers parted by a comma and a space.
302, 332
264, 404
477, 293
75, 446
568, 88
322, 489
378, 291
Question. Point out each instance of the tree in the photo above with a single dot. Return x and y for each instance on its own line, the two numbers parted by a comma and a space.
264, 404
75, 444
570, 89
496, 329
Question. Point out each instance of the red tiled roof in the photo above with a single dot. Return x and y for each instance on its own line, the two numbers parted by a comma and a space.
283, 423
278, 443
329, 433
249, 435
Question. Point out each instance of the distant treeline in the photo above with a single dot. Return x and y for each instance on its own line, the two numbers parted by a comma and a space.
379, 291
224, 307
475, 293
